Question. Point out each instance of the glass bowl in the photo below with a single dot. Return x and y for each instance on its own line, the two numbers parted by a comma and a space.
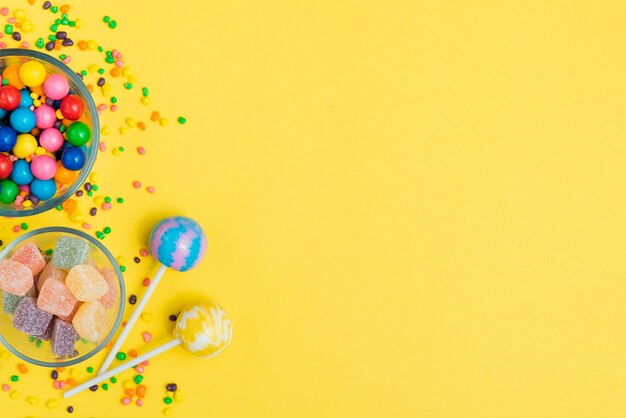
28, 348
52, 65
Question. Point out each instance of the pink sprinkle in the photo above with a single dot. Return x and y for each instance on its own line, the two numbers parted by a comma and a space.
141, 150
66, 60
147, 337
146, 282
25, 188
125, 401
145, 363
4, 11
150, 189
3, 45
11, 20
144, 253
6, 387
119, 63
17, 228
19, 200
102, 146
139, 403
139, 368
13, 158
106, 206
102, 106
56, 384
86, 225
136, 184
61, 385
115, 53
25, 44
113, 108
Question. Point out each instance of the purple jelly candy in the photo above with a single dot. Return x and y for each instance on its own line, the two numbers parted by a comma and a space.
46, 335
63, 338
29, 319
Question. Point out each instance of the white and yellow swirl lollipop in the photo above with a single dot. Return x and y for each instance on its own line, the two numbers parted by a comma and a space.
203, 328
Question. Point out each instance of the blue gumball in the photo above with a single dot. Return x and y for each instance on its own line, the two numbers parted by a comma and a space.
21, 174
8, 137
3, 113
26, 100
73, 158
22, 119
43, 189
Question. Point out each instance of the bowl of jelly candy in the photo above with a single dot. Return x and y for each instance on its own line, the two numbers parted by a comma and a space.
49, 132
62, 296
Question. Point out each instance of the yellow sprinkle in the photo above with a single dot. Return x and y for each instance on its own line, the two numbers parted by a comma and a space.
146, 317
27, 203
132, 78
179, 397
36, 103
4, 355
79, 24
58, 114
134, 398
40, 151
94, 178
93, 67
52, 403
106, 89
146, 101
91, 45
131, 122
128, 384
123, 130
79, 205
163, 121
77, 217
19, 13
116, 151
121, 260
98, 200
105, 130
34, 96
14, 394
168, 411
32, 400
126, 71
27, 26
73, 372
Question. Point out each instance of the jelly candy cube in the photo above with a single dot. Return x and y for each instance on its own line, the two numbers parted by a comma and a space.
47, 334
70, 317
29, 319
86, 283
108, 300
69, 252
90, 322
56, 298
50, 272
15, 278
63, 338
10, 302
31, 257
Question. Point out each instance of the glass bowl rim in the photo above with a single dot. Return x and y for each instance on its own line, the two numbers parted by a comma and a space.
122, 299
95, 132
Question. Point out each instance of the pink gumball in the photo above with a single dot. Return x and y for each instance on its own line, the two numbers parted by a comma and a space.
51, 139
56, 86
45, 116
43, 167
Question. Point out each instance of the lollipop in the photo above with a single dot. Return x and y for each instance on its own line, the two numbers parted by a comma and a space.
178, 243
203, 328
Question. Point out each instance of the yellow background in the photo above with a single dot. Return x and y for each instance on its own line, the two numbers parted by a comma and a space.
414, 208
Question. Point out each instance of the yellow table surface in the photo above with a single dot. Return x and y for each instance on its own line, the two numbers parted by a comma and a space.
414, 208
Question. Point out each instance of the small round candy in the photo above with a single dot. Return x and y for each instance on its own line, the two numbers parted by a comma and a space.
65, 176
43, 189
204, 328
8, 191
178, 243
10, 97
78, 134
5, 166
32, 73
45, 116
51, 139
26, 100
11, 74
23, 119
8, 137
21, 174
56, 86
25, 146
43, 167
73, 158
72, 107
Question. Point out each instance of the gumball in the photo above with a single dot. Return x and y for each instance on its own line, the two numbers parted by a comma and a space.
11, 74
8, 137
51, 139
45, 116
8, 191
5, 166
22, 119
25, 99
73, 158
178, 243
43, 189
25, 146
56, 86
78, 134
43, 167
72, 107
65, 176
3, 113
32, 73
10, 98
204, 328
21, 174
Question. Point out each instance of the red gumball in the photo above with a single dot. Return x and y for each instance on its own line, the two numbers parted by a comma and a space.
72, 107
6, 166
9, 97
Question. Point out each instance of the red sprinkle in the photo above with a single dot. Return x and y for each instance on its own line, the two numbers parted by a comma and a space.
137, 184
141, 150
146, 282
150, 189
144, 253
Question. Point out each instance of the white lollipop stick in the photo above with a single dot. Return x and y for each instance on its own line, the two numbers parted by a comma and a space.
83, 386
132, 320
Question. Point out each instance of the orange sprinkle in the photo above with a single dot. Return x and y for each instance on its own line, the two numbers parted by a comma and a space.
115, 72
71, 381
82, 45
141, 126
31, 2
60, 369
155, 116
22, 368
35, 131
65, 8
90, 88
133, 353
129, 392
141, 391
69, 205
58, 44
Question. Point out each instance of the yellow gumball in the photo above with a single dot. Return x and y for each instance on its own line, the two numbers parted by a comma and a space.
32, 73
204, 328
25, 146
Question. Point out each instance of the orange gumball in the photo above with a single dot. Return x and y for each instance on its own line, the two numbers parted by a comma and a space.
11, 73
65, 176
38, 90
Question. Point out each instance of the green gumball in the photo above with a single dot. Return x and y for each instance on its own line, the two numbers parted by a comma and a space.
8, 191
78, 134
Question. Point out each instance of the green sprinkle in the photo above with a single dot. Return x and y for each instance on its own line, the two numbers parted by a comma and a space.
40, 43
49, 251
110, 60
64, 15
62, 56
54, 9
106, 19
105, 386
38, 343
52, 38
145, 92
83, 73
120, 356
100, 71
65, 22
58, 207
72, 23
84, 341
107, 199
167, 400
138, 379
182, 120
113, 24
107, 230
89, 193
31, 338
24, 226
53, 28
5, 81
8, 29
128, 86
100, 49
122, 149
95, 187
15, 378
113, 99
100, 235
57, 21
113, 380
62, 128
89, 369
123, 268
120, 200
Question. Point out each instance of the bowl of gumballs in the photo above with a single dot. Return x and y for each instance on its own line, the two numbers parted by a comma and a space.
49, 132
62, 297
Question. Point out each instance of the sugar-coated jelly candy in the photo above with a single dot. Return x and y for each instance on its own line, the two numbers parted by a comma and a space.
63, 338
29, 319
31, 257
108, 300
90, 321
70, 317
10, 301
47, 333
86, 283
69, 251
51, 272
15, 278
56, 298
